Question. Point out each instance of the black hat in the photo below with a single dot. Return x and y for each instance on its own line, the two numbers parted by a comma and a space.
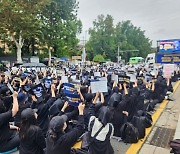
3, 90
57, 123
28, 113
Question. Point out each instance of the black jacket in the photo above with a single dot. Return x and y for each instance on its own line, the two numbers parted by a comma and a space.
43, 113
65, 141
34, 142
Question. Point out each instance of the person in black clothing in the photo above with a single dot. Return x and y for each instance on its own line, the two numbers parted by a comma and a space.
43, 110
100, 143
57, 140
23, 104
32, 140
9, 138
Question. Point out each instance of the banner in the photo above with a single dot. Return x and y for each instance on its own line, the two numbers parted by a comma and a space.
98, 86
168, 58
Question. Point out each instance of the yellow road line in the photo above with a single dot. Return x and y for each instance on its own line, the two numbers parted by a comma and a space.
134, 148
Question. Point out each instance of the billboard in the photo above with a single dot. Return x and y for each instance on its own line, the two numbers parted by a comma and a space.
168, 58
169, 46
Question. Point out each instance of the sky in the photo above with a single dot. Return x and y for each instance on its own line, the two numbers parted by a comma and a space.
159, 18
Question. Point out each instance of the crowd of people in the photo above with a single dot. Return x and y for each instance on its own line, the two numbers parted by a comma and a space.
37, 117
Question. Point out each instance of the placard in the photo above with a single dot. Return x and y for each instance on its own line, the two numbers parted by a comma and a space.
132, 78
168, 70
114, 77
64, 79
122, 79
98, 86
103, 79
97, 74
73, 77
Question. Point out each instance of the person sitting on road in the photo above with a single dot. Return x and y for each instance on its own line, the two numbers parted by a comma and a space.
101, 143
9, 138
31, 136
57, 140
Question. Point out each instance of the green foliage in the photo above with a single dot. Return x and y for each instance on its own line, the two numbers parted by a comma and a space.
60, 26
20, 17
41, 23
105, 37
98, 58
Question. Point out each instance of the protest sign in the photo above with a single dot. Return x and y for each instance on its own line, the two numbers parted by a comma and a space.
47, 83
73, 99
114, 77
64, 79
103, 79
122, 79
73, 77
140, 78
38, 91
168, 70
132, 77
97, 74
69, 88
98, 86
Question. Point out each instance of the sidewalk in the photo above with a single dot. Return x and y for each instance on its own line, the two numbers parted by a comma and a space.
164, 129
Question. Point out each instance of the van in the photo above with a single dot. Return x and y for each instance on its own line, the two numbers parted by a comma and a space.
150, 59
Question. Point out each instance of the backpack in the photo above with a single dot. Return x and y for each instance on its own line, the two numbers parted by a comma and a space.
148, 120
129, 133
175, 145
139, 123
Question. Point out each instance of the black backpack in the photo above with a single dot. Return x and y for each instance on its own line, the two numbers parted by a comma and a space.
129, 133
139, 123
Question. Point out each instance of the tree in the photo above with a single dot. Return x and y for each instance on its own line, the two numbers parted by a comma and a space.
105, 37
19, 20
101, 38
60, 26
98, 58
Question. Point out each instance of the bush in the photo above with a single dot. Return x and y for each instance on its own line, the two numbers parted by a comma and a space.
98, 58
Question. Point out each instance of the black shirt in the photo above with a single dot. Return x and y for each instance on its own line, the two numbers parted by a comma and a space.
65, 141
5, 131
34, 142
43, 112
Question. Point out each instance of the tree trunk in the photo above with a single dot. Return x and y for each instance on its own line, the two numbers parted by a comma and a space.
19, 58
19, 45
49, 52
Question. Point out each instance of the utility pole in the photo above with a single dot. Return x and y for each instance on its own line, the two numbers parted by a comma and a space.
83, 59
118, 55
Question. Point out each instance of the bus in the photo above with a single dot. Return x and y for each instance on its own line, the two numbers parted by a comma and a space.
136, 60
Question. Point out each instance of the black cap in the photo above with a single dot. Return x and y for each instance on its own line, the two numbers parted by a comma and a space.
3, 90
27, 113
57, 123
